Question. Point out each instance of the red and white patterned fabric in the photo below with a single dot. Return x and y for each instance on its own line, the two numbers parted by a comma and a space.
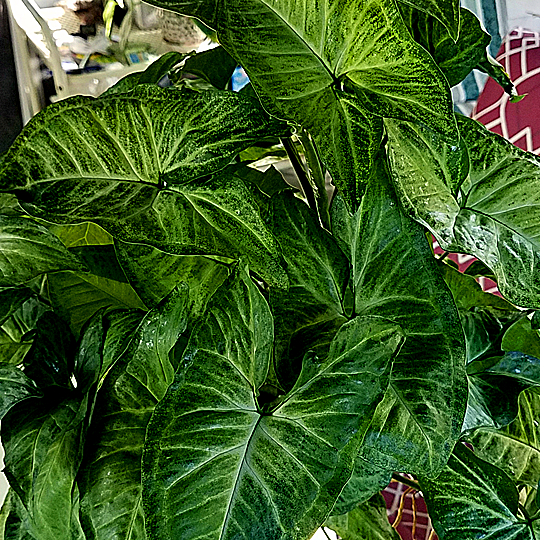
518, 122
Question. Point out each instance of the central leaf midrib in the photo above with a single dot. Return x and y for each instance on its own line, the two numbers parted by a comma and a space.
237, 479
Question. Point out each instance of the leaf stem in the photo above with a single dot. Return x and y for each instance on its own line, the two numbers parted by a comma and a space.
407, 481
300, 172
317, 178
444, 255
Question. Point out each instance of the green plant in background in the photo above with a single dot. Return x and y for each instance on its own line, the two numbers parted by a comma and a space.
192, 348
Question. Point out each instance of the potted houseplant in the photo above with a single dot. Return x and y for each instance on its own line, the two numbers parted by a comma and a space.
192, 348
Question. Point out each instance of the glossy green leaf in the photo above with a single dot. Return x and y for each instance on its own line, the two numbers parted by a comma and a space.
297, 56
155, 196
368, 521
15, 386
455, 58
396, 276
28, 250
366, 481
269, 474
472, 499
523, 338
497, 219
154, 274
516, 447
445, 11
110, 477
77, 297
426, 172
43, 444
310, 312
149, 136
121, 331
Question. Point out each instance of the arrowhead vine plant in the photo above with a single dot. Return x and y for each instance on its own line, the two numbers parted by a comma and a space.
192, 348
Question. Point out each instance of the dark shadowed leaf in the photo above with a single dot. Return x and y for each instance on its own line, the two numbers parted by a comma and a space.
310, 312
110, 477
11, 300
516, 447
456, 59
215, 66
154, 274
523, 338
396, 277
445, 11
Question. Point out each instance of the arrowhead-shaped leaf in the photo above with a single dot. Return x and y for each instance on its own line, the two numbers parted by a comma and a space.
497, 219
77, 297
139, 171
269, 470
472, 499
396, 276
110, 477
455, 58
298, 56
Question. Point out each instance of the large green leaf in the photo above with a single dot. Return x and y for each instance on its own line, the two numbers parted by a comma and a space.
472, 499
396, 276
523, 338
366, 522
456, 59
110, 476
154, 273
77, 297
497, 219
140, 171
28, 249
11, 299
299, 54
273, 470
310, 312
83, 234
516, 447
445, 11
43, 444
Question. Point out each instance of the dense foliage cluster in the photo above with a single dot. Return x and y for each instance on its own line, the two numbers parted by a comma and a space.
192, 348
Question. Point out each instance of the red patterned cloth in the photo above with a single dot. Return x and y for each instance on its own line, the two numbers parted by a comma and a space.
518, 122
